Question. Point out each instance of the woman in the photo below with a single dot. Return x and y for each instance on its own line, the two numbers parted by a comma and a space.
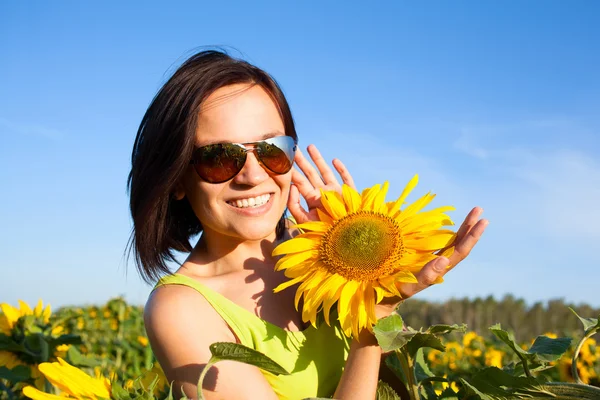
214, 154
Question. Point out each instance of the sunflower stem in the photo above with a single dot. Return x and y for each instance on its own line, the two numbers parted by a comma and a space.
208, 366
574, 372
408, 368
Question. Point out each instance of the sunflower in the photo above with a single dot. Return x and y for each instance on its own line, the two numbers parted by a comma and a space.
10, 315
358, 252
71, 382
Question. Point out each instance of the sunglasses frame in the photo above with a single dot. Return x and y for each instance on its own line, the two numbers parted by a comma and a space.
289, 149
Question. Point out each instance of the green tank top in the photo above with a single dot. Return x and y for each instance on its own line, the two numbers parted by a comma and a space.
315, 357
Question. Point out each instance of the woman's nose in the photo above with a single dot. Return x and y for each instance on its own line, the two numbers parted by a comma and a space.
252, 173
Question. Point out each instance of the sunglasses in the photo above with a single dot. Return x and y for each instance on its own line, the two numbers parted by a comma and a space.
220, 162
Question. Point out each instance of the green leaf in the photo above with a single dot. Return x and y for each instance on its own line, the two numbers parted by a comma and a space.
117, 392
471, 392
75, 358
507, 338
441, 329
7, 343
37, 345
394, 364
427, 390
549, 349
20, 373
422, 370
389, 333
491, 381
385, 392
420, 340
588, 323
240, 353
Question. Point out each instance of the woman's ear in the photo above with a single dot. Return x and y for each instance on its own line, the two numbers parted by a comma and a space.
178, 192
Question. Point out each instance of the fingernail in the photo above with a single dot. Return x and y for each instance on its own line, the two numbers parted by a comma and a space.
440, 264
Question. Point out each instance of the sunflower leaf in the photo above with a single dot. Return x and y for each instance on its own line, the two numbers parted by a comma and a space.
20, 373
385, 392
493, 381
509, 339
471, 392
442, 329
240, 353
549, 349
588, 323
422, 371
7, 343
420, 340
389, 333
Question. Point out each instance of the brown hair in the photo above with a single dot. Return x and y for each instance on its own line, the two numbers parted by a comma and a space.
163, 149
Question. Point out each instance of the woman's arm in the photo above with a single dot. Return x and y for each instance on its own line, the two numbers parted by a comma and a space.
361, 373
181, 326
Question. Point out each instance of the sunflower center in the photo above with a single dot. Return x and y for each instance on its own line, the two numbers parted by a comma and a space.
362, 246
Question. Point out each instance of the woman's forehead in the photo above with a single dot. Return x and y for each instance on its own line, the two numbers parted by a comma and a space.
238, 113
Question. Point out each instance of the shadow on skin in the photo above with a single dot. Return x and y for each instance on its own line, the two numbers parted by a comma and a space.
190, 373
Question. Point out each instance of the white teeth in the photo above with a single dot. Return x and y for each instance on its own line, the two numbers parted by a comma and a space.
251, 202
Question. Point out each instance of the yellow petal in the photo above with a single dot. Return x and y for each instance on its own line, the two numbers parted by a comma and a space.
333, 204
11, 313
358, 314
433, 241
369, 304
292, 282
380, 292
346, 299
295, 245
35, 394
409, 187
351, 198
313, 280
368, 196
330, 301
379, 200
37, 311
316, 226
405, 276
436, 216
46, 314
415, 207
324, 217
25, 309
295, 259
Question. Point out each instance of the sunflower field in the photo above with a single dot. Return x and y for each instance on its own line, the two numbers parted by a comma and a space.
103, 352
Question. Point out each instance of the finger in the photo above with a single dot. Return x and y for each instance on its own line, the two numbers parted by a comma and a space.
465, 227
468, 223
428, 275
294, 206
324, 169
344, 173
302, 183
308, 170
466, 244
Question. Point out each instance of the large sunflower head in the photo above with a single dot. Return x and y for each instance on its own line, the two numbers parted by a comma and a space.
359, 250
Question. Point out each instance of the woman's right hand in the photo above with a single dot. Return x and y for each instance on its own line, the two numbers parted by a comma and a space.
308, 182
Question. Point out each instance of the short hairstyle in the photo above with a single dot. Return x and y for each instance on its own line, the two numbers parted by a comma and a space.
163, 149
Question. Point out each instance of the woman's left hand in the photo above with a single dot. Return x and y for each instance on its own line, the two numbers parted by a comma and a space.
466, 238
310, 181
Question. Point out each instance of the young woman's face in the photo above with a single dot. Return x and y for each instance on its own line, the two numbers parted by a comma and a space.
238, 114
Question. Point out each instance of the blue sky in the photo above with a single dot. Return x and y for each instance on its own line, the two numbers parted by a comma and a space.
493, 103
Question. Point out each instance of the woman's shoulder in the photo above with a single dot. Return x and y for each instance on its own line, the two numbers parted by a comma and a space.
172, 306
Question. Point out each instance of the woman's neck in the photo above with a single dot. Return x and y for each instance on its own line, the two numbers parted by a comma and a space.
220, 254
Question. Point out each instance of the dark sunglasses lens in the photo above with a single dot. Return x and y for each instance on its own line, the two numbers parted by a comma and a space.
277, 154
218, 163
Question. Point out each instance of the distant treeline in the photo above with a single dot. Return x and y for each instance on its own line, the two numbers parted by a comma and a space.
479, 314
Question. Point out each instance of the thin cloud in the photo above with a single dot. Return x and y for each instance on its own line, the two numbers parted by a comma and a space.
29, 129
